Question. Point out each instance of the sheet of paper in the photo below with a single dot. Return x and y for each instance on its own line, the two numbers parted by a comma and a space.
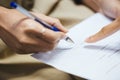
96, 61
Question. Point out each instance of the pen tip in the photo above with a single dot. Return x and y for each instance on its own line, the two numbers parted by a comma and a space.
64, 45
68, 39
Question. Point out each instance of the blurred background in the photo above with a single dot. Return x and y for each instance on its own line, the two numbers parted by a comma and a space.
28, 4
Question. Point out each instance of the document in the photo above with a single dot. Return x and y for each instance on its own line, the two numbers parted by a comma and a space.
93, 61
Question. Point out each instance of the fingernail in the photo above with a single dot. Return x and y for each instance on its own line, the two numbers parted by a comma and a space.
89, 40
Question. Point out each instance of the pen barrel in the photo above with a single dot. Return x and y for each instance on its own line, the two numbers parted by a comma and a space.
47, 25
25, 12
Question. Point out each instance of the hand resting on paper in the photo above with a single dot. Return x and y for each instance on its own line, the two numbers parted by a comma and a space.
110, 8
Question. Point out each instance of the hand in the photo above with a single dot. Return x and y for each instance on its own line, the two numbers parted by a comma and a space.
110, 8
25, 35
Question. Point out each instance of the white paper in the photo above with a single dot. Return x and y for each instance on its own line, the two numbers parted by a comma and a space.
96, 61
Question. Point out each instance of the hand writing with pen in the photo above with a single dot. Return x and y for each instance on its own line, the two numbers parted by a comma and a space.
25, 35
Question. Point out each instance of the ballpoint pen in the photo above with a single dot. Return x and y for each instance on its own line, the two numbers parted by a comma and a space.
30, 15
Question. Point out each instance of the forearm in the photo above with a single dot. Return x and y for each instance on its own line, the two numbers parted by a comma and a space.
93, 4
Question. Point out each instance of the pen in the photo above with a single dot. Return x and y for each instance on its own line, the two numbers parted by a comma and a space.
27, 13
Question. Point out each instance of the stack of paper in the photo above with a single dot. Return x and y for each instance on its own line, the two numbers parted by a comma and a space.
96, 61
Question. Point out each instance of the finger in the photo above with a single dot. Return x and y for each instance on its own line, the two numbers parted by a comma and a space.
105, 31
48, 35
41, 32
36, 46
52, 21
28, 45
55, 22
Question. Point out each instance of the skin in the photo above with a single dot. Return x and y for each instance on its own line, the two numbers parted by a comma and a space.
110, 8
23, 35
